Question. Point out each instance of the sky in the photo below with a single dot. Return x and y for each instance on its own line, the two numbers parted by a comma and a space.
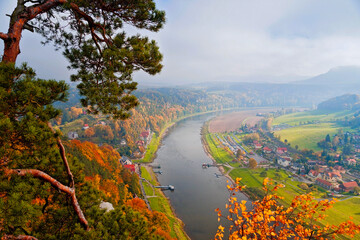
232, 40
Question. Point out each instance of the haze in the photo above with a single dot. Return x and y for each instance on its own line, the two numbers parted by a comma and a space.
234, 40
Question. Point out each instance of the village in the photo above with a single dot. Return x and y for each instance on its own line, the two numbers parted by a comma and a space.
334, 173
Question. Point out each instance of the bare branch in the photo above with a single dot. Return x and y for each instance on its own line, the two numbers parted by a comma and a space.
57, 185
4, 36
63, 157
20, 237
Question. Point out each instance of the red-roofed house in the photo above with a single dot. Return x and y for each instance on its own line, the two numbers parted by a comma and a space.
340, 169
351, 161
323, 183
131, 167
86, 126
144, 135
281, 150
257, 146
333, 176
267, 150
348, 186
314, 174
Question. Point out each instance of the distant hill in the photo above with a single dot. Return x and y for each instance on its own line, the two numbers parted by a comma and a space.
344, 102
346, 75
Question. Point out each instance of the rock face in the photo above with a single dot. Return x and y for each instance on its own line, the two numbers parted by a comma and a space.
344, 102
107, 206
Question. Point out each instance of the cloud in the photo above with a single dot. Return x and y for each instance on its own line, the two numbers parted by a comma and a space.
212, 39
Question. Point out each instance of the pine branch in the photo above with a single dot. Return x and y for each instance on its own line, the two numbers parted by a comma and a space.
57, 185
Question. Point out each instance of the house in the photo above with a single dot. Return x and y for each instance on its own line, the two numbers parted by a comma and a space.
350, 162
348, 186
311, 162
314, 174
73, 135
86, 126
125, 161
257, 146
284, 162
131, 167
332, 176
267, 150
137, 154
140, 143
323, 183
287, 158
123, 142
144, 135
340, 169
281, 150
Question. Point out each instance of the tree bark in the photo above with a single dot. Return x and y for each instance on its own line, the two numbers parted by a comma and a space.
19, 19
20, 237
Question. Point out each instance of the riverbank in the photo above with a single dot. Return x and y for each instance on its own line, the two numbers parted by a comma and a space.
156, 198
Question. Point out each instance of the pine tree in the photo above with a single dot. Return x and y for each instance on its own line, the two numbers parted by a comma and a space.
43, 193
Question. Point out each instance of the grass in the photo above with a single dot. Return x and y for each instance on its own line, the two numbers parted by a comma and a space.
161, 204
148, 189
218, 153
294, 119
307, 136
252, 179
350, 207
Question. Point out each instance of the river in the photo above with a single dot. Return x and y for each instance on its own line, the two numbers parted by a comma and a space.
198, 192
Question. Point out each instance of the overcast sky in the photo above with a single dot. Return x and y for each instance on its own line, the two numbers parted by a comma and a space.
214, 40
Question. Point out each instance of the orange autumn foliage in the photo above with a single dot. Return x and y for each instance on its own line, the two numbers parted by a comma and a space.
156, 219
269, 220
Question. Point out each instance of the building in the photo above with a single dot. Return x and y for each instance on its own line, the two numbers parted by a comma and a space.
340, 169
73, 135
348, 186
350, 162
123, 142
257, 146
145, 135
86, 126
332, 176
281, 150
131, 167
125, 161
267, 150
314, 174
323, 183
284, 162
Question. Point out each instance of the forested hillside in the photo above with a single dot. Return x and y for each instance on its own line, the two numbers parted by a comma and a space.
157, 108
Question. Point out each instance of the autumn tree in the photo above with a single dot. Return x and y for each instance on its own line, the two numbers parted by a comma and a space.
252, 163
267, 219
34, 165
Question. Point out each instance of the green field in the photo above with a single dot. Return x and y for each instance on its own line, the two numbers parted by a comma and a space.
252, 179
307, 136
295, 119
216, 150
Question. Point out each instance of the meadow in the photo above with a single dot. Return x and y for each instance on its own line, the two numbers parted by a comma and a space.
307, 136
295, 119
